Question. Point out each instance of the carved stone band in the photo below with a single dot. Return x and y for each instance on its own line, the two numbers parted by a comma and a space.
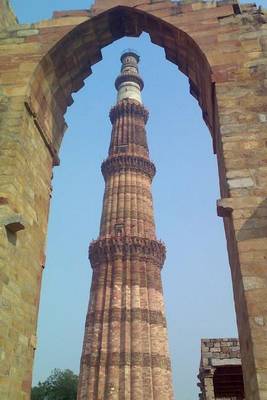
122, 359
126, 315
129, 77
124, 247
130, 274
128, 163
128, 107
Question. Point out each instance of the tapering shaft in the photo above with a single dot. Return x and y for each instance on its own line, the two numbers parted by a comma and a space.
128, 132
127, 206
125, 353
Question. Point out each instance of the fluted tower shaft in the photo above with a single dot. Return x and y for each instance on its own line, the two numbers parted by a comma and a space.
125, 351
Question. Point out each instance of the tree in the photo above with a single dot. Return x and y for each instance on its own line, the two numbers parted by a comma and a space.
60, 385
38, 392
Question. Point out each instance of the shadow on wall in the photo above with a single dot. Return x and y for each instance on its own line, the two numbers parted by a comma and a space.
255, 226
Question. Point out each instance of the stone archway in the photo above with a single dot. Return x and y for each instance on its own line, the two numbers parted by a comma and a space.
221, 47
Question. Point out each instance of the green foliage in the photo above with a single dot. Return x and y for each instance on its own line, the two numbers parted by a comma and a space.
60, 385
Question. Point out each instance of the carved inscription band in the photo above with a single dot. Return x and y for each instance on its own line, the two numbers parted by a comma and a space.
122, 359
128, 163
126, 247
126, 108
124, 315
148, 277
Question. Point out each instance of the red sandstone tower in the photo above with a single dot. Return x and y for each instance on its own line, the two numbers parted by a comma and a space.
125, 350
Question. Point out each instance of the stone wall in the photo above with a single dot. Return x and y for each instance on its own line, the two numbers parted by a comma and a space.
7, 16
216, 352
222, 48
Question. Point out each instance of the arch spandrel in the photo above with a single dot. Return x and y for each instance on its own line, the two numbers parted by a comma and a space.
221, 47
68, 62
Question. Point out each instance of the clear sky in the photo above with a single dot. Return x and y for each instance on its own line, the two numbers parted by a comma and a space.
196, 275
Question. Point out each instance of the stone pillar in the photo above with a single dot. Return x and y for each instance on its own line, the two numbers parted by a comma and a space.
208, 386
24, 206
244, 208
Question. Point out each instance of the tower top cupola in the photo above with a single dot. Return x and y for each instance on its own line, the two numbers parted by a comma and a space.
129, 83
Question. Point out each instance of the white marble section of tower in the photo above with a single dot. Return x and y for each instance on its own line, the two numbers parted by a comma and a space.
129, 84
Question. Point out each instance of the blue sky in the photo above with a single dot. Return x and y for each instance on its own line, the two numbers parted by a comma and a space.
196, 275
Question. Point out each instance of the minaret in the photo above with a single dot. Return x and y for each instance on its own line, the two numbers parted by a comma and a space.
125, 351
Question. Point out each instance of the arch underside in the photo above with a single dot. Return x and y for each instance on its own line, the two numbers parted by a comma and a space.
69, 63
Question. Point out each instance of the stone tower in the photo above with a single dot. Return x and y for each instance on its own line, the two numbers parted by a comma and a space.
125, 351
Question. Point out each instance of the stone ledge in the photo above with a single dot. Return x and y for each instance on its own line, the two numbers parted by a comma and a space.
128, 163
225, 361
126, 107
226, 206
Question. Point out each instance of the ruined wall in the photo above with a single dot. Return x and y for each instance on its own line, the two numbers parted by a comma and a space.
216, 352
222, 48
220, 373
